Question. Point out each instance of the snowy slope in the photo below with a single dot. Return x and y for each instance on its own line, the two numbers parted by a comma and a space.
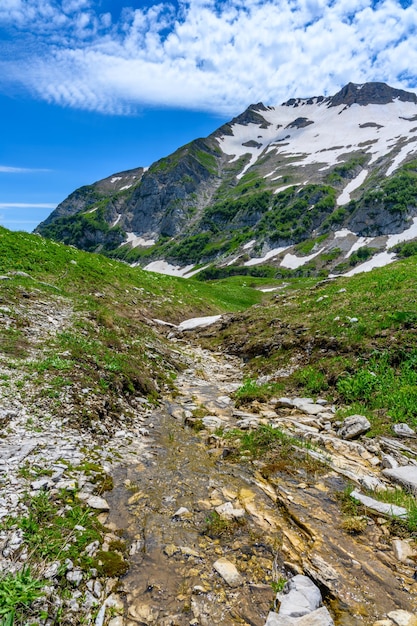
319, 134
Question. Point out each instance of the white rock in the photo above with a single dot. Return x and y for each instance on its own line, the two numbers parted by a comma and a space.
182, 512
116, 621
112, 601
320, 617
353, 426
388, 461
41, 484
403, 430
300, 596
383, 508
403, 551
95, 502
228, 572
310, 408
52, 570
227, 511
211, 422
274, 619
406, 476
92, 548
75, 576
403, 618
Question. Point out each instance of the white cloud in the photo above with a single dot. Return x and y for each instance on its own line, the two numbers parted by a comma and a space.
217, 56
6, 169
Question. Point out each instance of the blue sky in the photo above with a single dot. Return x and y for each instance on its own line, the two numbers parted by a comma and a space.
92, 87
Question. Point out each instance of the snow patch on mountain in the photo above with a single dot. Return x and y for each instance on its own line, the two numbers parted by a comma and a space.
373, 129
136, 241
344, 197
163, 267
278, 189
409, 148
269, 255
291, 261
362, 241
379, 260
406, 235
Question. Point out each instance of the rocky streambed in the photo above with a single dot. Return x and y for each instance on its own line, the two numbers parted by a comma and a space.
212, 539
200, 533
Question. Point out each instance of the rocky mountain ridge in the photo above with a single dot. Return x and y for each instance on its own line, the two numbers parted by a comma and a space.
299, 187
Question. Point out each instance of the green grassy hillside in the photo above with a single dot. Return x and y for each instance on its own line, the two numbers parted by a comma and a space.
104, 339
353, 340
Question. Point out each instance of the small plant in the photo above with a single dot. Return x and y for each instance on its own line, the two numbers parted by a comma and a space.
216, 526
312, 379
354, 524
17, 592
278, 585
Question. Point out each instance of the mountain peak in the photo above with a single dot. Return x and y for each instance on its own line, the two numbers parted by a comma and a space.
370, 93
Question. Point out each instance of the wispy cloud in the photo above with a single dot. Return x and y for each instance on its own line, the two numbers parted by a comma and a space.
6, 169
204, 54
27, 205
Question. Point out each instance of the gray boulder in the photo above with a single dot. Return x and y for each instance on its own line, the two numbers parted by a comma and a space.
406, 476
403, 430
353, 426
300, 596
319, 617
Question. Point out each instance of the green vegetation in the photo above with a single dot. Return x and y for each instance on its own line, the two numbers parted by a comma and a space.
85, 229
17, 593
278, 451
106, 345
386, 381
396, 194
251, 390
295, 212
356, 514
218, 527
54, 535
346, 170
306, 247
352, 339
404, 250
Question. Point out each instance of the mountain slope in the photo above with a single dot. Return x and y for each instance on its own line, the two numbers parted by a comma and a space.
340, 170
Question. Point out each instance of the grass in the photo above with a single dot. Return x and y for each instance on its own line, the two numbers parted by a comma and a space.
56, 529
252, 390
49, 528
355, 514
217, 527
72, 272
351, 340
278, 451
107, 344
17, 593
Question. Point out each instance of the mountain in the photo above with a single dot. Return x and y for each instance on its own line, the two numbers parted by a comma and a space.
314, 185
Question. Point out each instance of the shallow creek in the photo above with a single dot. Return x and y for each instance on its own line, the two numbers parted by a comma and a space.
291, 524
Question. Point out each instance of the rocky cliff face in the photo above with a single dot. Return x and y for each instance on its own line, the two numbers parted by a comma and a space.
316, 175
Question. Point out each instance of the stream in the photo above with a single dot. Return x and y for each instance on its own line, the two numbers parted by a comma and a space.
165, 503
